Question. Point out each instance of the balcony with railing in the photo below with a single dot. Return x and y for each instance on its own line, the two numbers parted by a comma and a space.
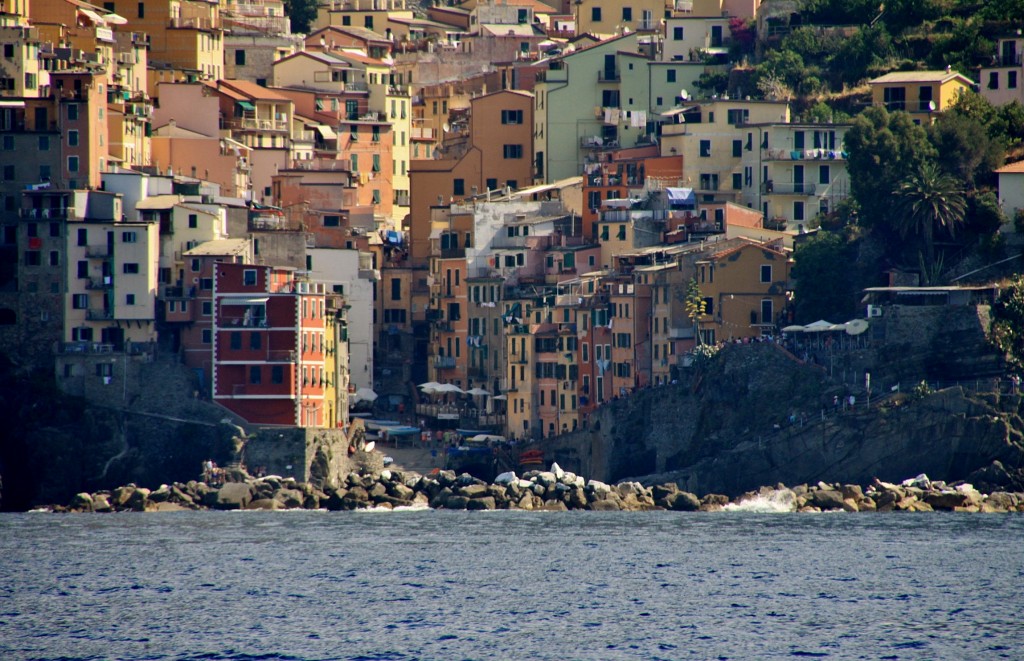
444, 362
253, 124
608, 76
97, 252
788, 188
106, 282
98, 314
817, 154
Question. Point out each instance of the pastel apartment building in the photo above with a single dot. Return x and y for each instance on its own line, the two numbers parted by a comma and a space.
920, 93
270, 342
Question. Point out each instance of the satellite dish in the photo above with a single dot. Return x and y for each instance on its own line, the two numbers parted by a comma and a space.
446, 127
684, 95
856, 327
931, 106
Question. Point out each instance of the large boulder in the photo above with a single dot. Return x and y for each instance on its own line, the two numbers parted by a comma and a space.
948, 500
482, 503
474, 491
234, 496
826, 499
608, 505
82, 502
682, 501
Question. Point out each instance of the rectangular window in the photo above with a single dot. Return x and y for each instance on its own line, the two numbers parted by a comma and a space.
332, 221
396, 289
1011, 79
737, 181
459, 187
255, 375
193, 221
798, 211
705, 148
129, 299
207, 336
131, 267
54, 258
249, 277
513, 151
255, 340
670, 75
240, 58
236, 340
72, 164
766, 273
129, 237
737, 148
993, 80
83, 237
277, 374
376, 162
627, 13
83, 269
207, 308
73, 138
141, 11
677, 34
595, 14
80, 301
73, 112
824, 174
511, 116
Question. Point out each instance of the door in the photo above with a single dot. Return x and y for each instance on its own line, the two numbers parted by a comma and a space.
798, 179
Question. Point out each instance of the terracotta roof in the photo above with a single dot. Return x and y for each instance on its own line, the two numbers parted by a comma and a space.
920, 77
1012, 168
251, 90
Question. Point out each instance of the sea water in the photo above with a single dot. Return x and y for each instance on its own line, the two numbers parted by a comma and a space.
510, 585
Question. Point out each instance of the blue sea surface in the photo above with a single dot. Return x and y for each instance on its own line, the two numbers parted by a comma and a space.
303, 585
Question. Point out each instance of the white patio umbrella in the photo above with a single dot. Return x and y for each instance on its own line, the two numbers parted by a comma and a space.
449, 387
501, 397
477, 392
429, 385
365, 395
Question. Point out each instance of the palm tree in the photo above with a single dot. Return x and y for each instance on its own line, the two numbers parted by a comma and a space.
927, 199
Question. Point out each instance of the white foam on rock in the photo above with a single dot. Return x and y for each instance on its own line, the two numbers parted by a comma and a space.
775, 502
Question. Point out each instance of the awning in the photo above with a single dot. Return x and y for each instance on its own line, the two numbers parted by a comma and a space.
620, 203
10, 103
92, 16
326, 132
680, 195
115, 19
244, 300
246, 105
676, 111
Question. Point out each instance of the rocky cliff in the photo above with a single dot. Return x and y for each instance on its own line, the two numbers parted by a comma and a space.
756, 416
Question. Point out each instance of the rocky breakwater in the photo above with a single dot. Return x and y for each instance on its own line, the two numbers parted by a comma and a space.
553, 490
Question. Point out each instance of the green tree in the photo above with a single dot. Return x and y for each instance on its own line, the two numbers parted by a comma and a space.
1007, 328
302, 14
822, 268
695, 307
965, 148
928, 199
882, 147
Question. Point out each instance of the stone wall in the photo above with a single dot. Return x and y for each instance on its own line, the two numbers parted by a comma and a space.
318, 456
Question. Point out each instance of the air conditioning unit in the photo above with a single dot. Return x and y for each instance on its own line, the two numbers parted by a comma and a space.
874, 311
